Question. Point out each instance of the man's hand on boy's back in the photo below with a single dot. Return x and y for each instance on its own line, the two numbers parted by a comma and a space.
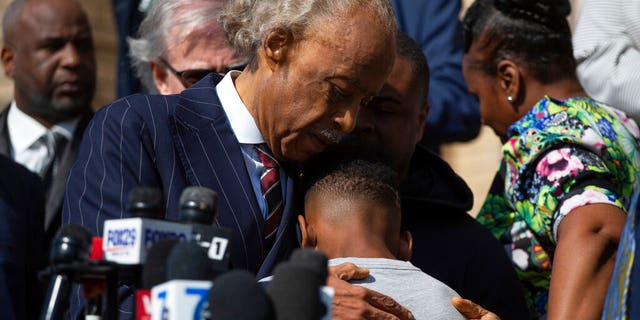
356, 302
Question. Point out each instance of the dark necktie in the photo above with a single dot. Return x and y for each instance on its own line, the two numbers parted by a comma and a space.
56, 143
272, 193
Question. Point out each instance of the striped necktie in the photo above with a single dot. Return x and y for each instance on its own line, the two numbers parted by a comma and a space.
272, 193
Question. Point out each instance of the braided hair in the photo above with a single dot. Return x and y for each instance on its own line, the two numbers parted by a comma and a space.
535, 33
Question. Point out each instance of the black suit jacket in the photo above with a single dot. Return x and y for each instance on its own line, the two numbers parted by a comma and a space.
21, 256
55, 194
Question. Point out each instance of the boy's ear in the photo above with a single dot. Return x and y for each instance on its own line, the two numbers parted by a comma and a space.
307, 233
406, 246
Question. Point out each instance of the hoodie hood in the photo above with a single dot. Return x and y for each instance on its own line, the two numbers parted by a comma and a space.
433, 188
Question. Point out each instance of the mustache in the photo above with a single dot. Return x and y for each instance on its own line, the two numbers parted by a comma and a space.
331, 135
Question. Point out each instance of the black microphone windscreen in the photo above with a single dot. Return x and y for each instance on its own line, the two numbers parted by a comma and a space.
295, 293
154, 270
313, 259
237, 295
145, 202
71, 243
189, 261
198, 205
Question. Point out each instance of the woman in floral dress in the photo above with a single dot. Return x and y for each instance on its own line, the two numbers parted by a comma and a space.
570, 164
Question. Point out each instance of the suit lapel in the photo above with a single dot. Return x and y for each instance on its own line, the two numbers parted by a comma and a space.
4, 134
210, 155
56, 190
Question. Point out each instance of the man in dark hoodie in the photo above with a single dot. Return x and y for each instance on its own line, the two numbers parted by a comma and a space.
448, 243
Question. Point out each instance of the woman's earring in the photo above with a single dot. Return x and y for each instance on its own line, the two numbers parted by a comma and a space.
510, 99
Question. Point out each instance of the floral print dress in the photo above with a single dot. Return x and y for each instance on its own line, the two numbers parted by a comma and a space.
561, 155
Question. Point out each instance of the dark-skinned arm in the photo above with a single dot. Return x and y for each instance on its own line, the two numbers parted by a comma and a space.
583, 261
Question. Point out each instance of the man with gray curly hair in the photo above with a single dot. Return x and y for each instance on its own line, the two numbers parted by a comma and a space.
312, 63
179, 43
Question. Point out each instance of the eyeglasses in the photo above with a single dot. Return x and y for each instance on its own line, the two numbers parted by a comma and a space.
190, 76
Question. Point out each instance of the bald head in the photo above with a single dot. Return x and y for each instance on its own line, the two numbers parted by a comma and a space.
13, 14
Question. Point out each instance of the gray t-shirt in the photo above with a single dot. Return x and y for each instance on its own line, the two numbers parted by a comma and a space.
423, 295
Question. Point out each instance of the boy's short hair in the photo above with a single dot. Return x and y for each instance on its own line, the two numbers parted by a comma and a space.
353, 170
359, 180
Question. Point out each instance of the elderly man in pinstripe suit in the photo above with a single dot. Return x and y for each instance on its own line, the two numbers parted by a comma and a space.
311, 67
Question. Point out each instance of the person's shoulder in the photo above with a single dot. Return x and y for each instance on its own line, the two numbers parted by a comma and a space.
18, 184
131, 114
16, 174
141, 104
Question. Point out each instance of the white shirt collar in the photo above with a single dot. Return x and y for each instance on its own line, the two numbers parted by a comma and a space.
242, 123
24, 131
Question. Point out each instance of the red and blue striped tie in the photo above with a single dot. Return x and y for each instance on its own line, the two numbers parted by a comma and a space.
272, 193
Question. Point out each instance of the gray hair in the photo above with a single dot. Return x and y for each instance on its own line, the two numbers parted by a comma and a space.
246, 22
189, 16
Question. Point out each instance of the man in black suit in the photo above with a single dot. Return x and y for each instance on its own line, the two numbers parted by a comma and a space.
48, 52
21, 255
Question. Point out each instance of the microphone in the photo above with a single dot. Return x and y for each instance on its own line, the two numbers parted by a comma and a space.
94, 289
187, 261
145, 202
128, 240
295, 292
154, 270
315, 260
189, 271
198, 208
236, 295
71, 244
153, 273
198, 205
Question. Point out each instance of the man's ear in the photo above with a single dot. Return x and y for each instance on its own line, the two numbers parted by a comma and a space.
276, 46
509, 80
160, 76
8, 56
307, 233
406, 246
422, 119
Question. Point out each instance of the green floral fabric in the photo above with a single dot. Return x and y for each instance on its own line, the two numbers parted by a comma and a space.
561, 155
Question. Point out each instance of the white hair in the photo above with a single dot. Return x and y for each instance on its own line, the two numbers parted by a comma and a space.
191, 17
246, 22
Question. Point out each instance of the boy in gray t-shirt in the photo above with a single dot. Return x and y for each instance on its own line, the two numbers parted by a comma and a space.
352, 214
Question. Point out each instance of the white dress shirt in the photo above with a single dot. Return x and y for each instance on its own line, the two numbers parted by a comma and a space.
246, 131
606, 45
28, 138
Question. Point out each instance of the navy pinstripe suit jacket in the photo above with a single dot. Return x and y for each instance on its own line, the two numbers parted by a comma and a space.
173, 142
